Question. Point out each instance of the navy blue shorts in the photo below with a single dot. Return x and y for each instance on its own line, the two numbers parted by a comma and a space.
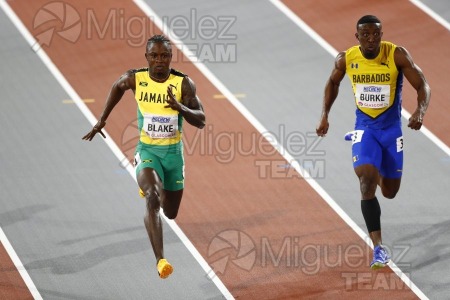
382, 148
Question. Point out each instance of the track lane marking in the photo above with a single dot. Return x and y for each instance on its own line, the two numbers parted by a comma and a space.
3, 238
70, 101
18, 264
220, 96
431, 13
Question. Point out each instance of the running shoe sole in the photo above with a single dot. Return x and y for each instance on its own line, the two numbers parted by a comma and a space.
377, 265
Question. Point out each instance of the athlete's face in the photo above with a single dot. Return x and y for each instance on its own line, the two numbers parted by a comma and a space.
369, 37
159, 56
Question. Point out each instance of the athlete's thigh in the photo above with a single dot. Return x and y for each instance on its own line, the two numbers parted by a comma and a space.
149, 170
365, 148
392, 153
173, 166
390, 186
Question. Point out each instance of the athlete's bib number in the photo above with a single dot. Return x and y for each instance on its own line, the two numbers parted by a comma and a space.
399, 144
357, 136
372, 96
159, 127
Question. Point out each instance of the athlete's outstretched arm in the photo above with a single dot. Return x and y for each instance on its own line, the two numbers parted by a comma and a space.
190, 107
331, 92
414, 74
125, 82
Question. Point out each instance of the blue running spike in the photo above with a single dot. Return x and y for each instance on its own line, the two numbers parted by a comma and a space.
380, 258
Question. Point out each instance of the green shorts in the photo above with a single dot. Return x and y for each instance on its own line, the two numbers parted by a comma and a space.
167, 161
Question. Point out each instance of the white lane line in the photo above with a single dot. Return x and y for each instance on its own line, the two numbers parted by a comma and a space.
3, 239
431, 13
446, 25
316, 37
19, 266
300, 23
111, 144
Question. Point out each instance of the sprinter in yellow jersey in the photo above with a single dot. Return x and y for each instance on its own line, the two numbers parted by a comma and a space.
164, 97
376, 69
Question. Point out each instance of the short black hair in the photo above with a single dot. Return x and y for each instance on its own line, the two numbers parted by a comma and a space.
159, 38
367, 19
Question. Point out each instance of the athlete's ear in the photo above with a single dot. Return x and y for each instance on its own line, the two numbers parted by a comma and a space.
356, 36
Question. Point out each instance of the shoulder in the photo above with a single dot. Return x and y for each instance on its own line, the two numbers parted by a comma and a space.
186, 81
187, 85
138, 71
130, 74
341, 55
177, 73
401, 50
127, 80
402, 57
340, 61
388, 44
136, 74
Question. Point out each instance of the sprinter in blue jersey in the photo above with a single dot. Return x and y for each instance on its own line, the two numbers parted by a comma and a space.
376, 69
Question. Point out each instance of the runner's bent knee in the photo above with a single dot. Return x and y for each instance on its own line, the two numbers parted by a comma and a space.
390, 186
152, 197
171, 214
368, 187
389, 192
171, 203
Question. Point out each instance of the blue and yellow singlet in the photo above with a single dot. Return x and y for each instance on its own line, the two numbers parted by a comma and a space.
377, 86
